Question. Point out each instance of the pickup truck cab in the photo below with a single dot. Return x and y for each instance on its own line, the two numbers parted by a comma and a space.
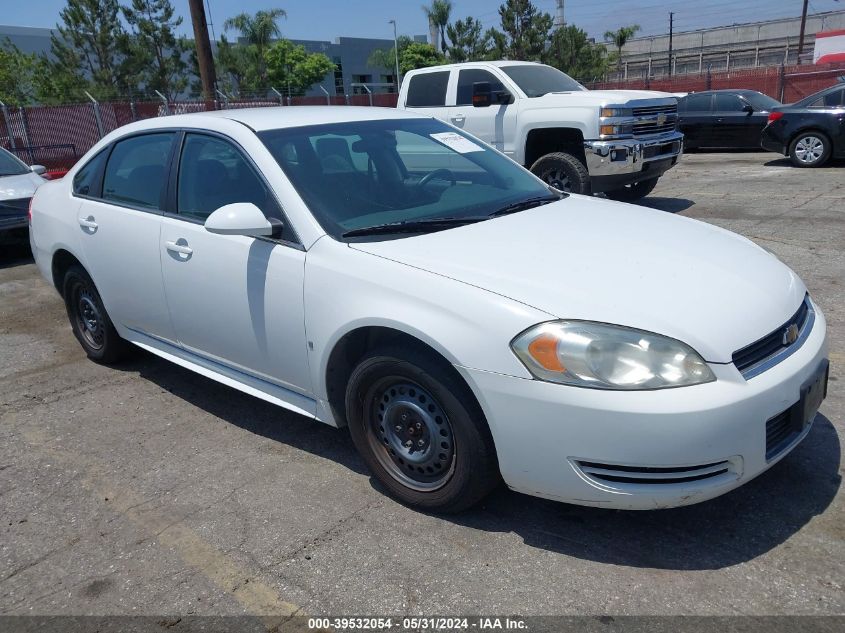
582, 141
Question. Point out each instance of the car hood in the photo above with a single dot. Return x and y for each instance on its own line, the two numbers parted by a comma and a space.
607, 97
22, 186
592, 259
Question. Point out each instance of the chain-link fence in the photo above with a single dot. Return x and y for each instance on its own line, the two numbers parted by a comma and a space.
56, 136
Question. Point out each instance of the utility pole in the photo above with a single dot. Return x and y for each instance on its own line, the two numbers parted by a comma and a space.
803, 25
671, 32
205, 59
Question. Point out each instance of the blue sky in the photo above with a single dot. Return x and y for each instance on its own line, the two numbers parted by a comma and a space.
327, 19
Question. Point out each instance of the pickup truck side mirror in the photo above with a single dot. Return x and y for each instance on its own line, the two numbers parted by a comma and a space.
242, 218
482, 94
748, 108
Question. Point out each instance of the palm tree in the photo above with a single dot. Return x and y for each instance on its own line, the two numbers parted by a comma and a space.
619, 38
438, 16
258, 30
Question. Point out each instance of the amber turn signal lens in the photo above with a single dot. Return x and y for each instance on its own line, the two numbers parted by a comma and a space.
543, 349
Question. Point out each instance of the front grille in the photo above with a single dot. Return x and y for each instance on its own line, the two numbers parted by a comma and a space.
653, 475
16, 207
761, 350
781, 431
655, 120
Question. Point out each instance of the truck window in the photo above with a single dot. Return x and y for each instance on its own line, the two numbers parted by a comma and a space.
535, 80
427, 90
470, 76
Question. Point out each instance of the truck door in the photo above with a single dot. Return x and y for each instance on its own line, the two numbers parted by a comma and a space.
427, 93
495, 124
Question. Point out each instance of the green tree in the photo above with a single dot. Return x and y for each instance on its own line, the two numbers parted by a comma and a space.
235, 65
17, 75
619, 38
496, 43
291, 67
258, 30
153, 52
571, 51
466, 41
87, 52
526, 30
438, 14
385, 57
419, 55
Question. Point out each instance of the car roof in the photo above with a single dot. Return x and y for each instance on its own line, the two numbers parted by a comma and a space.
498, 63
733, 91
276, 117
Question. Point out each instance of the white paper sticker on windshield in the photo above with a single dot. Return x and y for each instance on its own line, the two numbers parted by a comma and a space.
455, 141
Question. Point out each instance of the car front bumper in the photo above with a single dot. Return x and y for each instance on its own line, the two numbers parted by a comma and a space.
641, 450
616, 163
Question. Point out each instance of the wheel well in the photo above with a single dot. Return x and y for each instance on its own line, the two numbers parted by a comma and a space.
62, 260
809, 130
350, 349
544, 141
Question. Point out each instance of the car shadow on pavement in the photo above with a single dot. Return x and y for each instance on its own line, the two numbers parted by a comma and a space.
670, 205
245, 411
731, 529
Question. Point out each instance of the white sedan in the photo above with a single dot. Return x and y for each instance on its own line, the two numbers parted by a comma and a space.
18, 181
387, 272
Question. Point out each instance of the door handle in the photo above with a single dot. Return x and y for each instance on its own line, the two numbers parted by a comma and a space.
88, 223
182, 249
458, 118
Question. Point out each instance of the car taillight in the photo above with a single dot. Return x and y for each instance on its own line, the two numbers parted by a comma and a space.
774, 116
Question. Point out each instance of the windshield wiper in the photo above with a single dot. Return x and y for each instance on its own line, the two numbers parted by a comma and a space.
522, 205
413, 226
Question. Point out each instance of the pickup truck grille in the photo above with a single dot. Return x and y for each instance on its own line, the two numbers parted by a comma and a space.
655, 120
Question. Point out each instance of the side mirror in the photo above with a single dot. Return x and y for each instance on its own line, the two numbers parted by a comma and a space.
242, 218
504, 97
37, 169
748, 108
482, 94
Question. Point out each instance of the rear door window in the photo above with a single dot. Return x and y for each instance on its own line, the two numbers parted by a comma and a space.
698, 103
136, 173
428, 90
86, 182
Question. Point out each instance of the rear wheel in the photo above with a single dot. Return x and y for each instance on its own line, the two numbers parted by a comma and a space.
420, 431
88, 318
563, 172
810, 149
633, 192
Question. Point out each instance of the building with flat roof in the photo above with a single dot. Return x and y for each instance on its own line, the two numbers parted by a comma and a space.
765, 43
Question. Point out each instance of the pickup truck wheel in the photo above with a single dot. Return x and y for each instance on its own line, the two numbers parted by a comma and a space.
420, 431
809, 149
633, 192
89, 320
564, 172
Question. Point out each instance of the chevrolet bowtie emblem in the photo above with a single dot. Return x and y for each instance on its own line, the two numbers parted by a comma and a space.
790, 335
661, 118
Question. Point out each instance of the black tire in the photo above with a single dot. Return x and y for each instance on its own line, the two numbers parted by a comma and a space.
396, 396
809, 149
89, 320
563, 171
634, 192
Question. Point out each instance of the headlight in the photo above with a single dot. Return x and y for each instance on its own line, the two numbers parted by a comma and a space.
602, 356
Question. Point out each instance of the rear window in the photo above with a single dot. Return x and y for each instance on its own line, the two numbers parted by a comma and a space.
697, 103
761, 101
427, 90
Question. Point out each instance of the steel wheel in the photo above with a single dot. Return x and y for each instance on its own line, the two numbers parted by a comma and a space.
88, 317
809, 149
410, 434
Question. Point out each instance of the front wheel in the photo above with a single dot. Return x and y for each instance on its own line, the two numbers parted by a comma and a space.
810, 149
420, 431
88, 318
633, 192
564, 172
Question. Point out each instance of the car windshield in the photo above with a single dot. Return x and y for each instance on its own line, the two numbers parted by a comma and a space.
760, 101
11, 166
535, 80
359, 175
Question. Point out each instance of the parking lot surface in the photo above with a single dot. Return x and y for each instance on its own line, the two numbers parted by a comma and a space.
147, 489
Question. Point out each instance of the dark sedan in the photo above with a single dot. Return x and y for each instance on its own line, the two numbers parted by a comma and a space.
720, 119
809, 131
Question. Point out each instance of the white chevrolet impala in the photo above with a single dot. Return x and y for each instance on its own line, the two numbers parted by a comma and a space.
387, 272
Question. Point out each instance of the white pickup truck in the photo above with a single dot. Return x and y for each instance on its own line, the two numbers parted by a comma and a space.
584, 141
